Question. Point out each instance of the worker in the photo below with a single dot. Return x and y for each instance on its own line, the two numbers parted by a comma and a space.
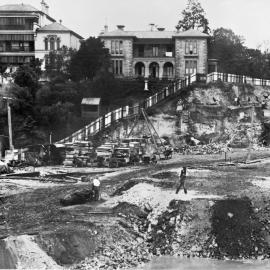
154, 159
182, 178
96, 188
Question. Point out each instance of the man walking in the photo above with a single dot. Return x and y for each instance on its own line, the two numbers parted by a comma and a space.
182, 178
96, 189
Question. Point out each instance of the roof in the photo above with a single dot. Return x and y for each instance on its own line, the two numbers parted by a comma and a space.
139, 34
54, 27
91, 101
22, 8
18, 8
191, 33
154, 34
57, 27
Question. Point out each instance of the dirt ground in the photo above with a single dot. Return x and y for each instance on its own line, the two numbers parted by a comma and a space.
225, 214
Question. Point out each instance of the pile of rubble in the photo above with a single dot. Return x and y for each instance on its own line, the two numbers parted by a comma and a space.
116, 257
211, 148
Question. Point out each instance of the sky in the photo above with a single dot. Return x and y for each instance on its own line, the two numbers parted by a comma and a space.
248, 18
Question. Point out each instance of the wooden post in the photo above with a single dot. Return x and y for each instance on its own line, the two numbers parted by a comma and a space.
11, 147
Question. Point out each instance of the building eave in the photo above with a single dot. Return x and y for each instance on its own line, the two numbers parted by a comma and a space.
61, 31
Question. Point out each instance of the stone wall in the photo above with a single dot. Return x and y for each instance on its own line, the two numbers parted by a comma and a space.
127, 55
181, 57
178, 61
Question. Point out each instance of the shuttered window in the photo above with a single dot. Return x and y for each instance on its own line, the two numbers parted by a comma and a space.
17, 37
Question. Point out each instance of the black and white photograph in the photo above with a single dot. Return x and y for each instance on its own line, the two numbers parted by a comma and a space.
135, 135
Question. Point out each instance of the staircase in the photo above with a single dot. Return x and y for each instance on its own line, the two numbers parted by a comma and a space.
127, 112
174, 87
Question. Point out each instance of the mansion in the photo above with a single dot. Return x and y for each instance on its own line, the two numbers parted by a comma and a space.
156, 53
27, 33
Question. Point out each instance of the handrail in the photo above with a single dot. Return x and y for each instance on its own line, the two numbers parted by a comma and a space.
127, 111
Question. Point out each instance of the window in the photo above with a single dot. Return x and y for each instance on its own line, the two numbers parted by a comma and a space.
168, 70
155, 50
52, 44
17, 37
141, 50
191, 67
191, 47
116, 47
58, 43
16, 23
2, 46
117, 66
169, 51
113, 47
120, 47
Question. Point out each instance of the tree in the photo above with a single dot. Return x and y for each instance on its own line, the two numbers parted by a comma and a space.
26, 76
194, 18
229, 49
58, 62
91, 58
235, 58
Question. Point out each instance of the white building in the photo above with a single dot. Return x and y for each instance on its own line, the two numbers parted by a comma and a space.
27, 33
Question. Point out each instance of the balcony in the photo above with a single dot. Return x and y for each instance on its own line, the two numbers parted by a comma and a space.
153, 51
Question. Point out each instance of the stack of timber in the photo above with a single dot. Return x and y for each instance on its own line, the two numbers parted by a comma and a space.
79, 153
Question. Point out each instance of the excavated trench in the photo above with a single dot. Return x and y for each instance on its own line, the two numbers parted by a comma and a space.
192, 225
236, 231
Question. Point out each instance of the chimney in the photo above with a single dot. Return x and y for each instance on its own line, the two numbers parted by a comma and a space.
47, 9
161, 29
177, 28
43, 6
152, 26
106, 28
120, 27
60, 21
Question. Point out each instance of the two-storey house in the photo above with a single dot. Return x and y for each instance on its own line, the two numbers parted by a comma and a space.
156, 53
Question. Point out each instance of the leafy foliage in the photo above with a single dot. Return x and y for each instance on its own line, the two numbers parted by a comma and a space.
235, 58
194, 18
91, 58
58, 62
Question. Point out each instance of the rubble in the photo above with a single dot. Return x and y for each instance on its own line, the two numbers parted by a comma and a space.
211, 148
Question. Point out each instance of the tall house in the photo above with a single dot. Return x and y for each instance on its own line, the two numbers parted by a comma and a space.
27, 33
156, 53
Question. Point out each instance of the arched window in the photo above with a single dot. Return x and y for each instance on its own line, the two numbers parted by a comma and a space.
168, 70
46, 44
58, 43
139, 69
52, 44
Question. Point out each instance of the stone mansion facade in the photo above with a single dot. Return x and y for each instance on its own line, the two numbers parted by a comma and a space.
156, 53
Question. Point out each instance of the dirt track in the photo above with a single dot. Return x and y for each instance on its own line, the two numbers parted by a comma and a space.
106, 235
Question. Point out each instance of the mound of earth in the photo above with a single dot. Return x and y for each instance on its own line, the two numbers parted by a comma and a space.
236, 232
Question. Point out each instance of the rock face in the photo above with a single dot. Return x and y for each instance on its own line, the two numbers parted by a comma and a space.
224, 113
234, 114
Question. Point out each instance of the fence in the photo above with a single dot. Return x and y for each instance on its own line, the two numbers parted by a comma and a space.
232, 78
127, 111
